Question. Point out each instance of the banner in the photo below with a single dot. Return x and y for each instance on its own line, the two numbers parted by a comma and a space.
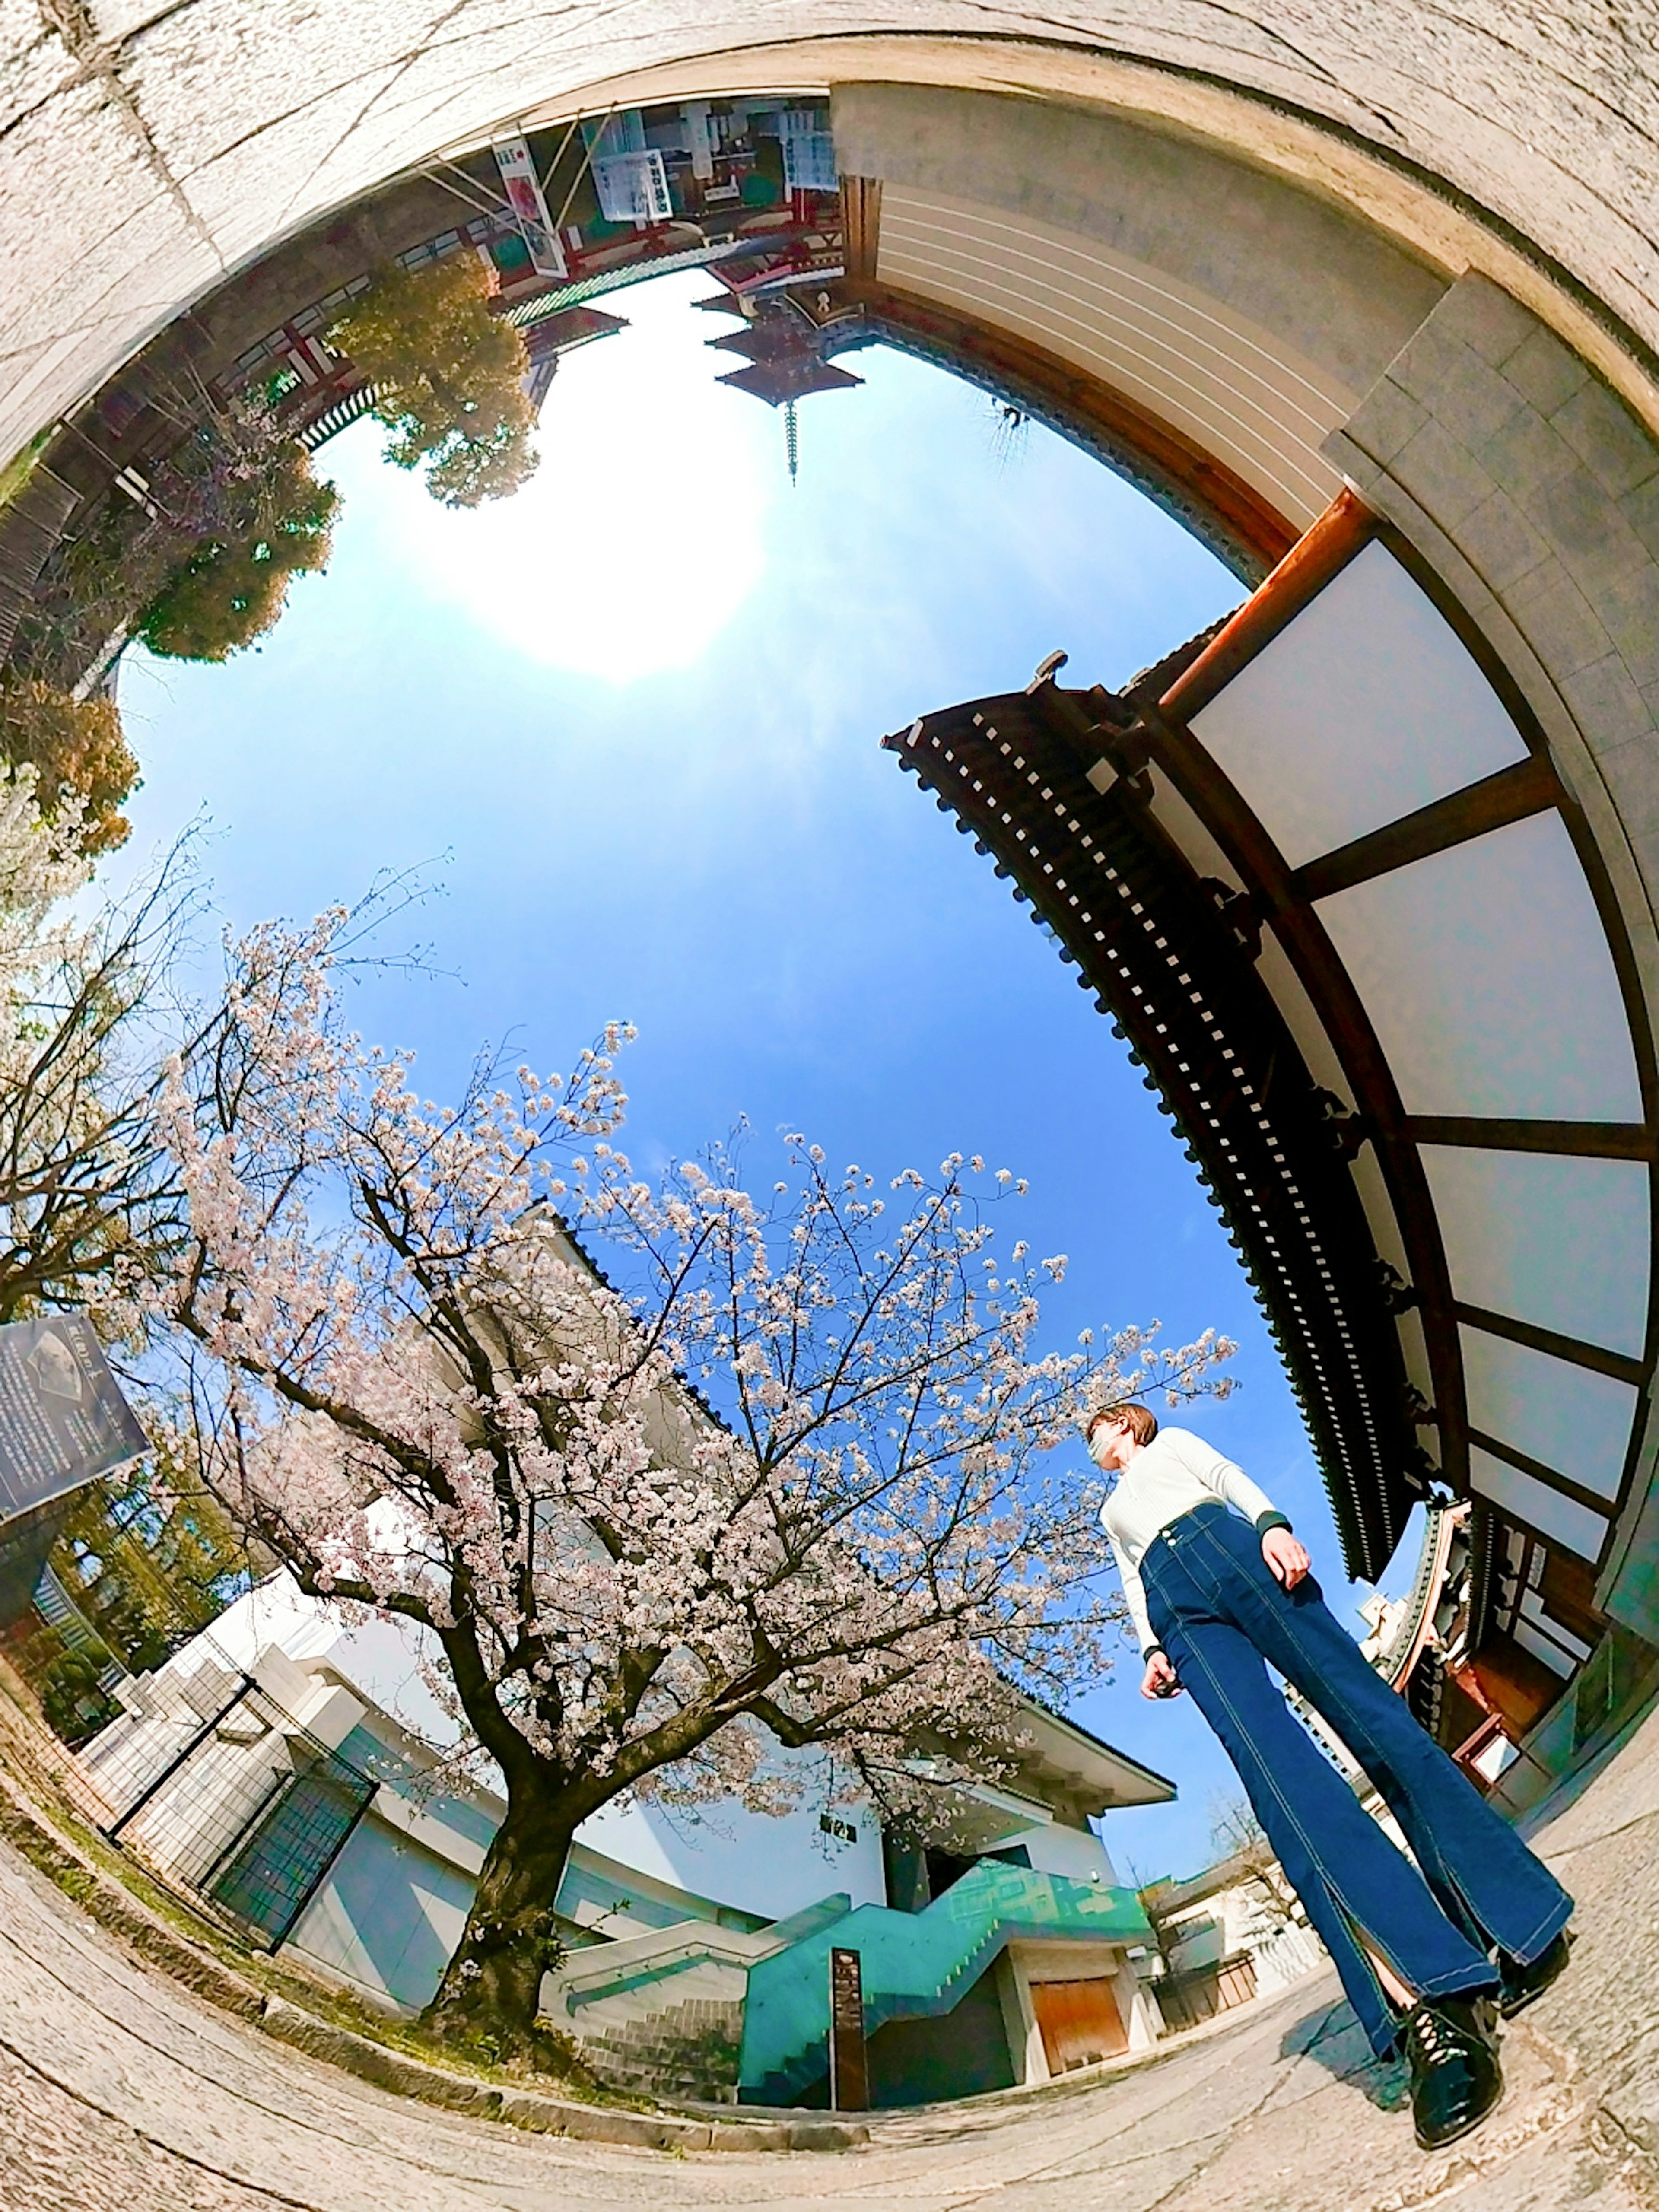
809, 150
523, 188
63, 1420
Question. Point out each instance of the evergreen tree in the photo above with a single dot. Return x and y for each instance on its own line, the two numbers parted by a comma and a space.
448, 378
151, 1558
273, 524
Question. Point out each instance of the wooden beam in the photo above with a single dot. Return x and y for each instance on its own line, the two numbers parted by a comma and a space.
1572, 1349
1210, 794
1077, 402
860, 227
1512, 795
1590, 1140
1345, 525
1603, 1508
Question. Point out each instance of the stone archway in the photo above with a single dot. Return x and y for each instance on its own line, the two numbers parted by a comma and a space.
1251, 261
1406, 258
148, 151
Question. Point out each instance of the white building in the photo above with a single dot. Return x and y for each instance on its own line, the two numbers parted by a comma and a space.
296, 1771
1234, 1932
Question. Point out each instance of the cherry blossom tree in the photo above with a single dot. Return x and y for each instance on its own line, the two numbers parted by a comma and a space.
86, 1198
776, 1479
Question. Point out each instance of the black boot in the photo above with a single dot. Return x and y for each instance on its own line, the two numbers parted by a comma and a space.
1451, 2047
1518, 1985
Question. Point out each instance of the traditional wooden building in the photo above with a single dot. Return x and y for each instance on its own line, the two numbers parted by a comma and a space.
1281, 863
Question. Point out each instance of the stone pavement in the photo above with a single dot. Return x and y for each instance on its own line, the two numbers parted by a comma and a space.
119, 2089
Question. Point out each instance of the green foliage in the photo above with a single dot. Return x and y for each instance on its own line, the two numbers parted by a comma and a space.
232, 586
75, 746
448, 376
21, 467
75, 1705
150, 1561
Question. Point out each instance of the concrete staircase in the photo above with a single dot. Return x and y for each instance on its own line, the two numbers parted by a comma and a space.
913, 1965
662, 2011
689, 2049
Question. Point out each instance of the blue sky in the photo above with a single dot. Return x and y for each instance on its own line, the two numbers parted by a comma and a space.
629, 722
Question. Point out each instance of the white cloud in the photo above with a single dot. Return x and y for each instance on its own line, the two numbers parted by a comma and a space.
640, 535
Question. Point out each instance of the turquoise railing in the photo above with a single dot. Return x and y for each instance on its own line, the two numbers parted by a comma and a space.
912, 1964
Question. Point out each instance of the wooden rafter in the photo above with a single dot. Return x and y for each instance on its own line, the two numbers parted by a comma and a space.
1232, 514
1171, 958
1514, 794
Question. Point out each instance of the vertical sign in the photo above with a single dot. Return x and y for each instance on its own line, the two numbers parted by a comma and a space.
523, 188
849, 2073
809, 150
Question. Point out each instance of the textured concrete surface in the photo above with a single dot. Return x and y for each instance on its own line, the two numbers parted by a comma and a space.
119, 2089
147, 147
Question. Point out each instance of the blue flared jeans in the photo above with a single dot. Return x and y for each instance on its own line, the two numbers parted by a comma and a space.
1223, 1617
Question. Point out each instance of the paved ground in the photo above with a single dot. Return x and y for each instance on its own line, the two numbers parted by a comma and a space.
119, 2090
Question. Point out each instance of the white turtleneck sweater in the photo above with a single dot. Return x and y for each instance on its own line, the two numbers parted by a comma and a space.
1164, 1480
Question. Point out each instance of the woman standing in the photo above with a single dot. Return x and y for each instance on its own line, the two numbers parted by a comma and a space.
1430, 1958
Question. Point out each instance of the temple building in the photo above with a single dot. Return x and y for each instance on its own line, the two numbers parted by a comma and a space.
1313, 867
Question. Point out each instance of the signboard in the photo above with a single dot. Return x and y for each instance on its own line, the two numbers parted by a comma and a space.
524, 190
63, 1420
809, 150
633, 187
849, 2072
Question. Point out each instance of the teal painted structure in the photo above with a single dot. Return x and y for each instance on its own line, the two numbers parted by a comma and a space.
914, 1964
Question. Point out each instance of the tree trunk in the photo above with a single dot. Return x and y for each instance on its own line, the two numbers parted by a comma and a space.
491, 1988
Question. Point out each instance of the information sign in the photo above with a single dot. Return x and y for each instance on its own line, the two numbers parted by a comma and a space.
849, 2070
523, 188
63, 1420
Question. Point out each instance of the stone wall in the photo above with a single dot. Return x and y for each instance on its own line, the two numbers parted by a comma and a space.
1320, 285
688, 2049
147, 149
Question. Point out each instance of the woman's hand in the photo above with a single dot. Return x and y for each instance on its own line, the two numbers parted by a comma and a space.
1286, 1560
1160, 1680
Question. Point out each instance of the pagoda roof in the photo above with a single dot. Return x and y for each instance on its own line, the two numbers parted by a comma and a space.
779, 381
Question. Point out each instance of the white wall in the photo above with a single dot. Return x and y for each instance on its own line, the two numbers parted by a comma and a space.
381, 1657
760, 1865
772, 1867
1077, 1855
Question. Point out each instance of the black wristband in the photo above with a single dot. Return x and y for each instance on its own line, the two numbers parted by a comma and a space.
1154, 1651
1271, 1520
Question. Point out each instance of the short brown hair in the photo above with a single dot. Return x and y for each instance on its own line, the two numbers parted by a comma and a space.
1141, 1425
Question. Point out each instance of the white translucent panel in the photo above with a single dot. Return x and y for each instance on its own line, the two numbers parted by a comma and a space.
1574, 1420
1532, 1606
1564, 1243
1541, 1647
1561, 1519
1487, 977
1365, 708
1290, 996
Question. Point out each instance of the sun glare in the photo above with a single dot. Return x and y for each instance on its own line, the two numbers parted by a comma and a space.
642, 534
